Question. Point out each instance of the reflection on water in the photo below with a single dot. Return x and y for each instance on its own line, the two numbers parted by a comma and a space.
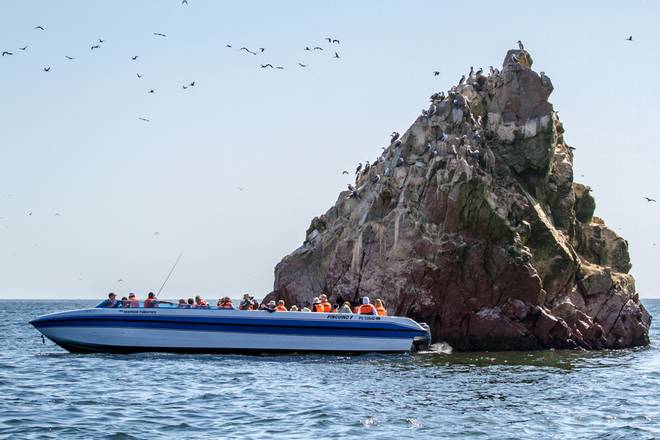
47, 392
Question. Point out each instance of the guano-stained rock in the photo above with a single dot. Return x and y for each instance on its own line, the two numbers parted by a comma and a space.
472, 222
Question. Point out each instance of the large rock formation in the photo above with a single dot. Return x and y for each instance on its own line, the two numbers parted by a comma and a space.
472, 222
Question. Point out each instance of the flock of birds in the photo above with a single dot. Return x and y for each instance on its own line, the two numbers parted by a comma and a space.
332, 41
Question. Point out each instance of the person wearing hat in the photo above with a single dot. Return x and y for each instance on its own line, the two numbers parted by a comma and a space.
294, 308
248, 303
225, 303
200, 303
111, 302
280, 306
327, 307
317, 306
151, 301
366, 308
270, 307
345, 308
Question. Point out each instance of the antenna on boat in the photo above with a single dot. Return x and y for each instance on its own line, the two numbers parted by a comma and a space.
169, 274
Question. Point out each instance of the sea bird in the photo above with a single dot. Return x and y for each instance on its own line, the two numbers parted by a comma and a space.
394, 136
151, 91
101, 41
345, 172
68, 57
336, 55
139, 76
134, 57
6, 53
47, 69
302, 65
23, 48
629, 38
144, 119
263, 66
359, 168
648, 199
436, 73
40, 28
318, 48
335, 41
158, 34
520, 45
95, 47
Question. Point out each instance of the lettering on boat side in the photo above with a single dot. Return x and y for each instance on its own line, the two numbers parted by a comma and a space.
141, 312
360, 317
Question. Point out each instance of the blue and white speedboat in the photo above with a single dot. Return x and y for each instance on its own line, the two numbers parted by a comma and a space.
169, 329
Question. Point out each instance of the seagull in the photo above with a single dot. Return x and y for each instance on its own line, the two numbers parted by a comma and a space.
40, 28
335, 41
159, 34
95, 47
68, 57
302, 65
263, 66
436, 73
520, 45
318, 48
648, 199
336, 55
345, 172
6, 53
47, 69
139, 76
629, 38
144, 119
134, 58
152, 91
23, 48
101, 41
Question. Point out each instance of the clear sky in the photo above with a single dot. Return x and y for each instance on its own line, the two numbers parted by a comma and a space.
71, 142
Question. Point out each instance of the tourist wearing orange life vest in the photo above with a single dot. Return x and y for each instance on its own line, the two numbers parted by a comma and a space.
327, 307
151, 301
280, 306
225, 303
366, 308
200, 303
317, 306
380, 308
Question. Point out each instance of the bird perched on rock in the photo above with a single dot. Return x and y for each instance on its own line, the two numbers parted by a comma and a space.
462, 80
350, 187
366, 167
375, 179
359, 168
491, 70
397, 143
400, 161
480, 71
520, 45
394, 136
471, 72
648, 199
432, 110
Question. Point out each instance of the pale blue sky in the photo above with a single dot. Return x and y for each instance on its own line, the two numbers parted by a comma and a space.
71, 141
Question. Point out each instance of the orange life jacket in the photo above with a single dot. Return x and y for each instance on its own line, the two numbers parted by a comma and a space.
281, 309
319, 308
150, 302
366, 309
381, 311
356, 309
327, 307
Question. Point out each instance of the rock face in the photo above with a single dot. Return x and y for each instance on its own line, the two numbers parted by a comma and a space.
471, 222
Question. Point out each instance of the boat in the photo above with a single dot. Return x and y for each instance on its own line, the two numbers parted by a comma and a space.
215, 330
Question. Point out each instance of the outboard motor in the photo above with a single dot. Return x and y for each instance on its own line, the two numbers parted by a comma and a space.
422, 343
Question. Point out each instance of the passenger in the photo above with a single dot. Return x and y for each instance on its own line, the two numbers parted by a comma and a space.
366, 308
124, 302
356, 309
346, 308
151, 301
270, 307
327, 307
183, 304
280, 306
225, 303
111, 302
248, 303
191, 303
305, 309
380, 308
133, 300
335, 308
294, 308
200, 303
317, 306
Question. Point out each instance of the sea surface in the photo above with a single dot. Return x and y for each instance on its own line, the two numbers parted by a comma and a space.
46, 392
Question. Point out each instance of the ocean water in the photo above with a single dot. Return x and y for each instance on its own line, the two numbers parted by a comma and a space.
46, 392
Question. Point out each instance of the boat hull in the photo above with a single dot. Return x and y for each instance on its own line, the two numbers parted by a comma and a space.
226, 331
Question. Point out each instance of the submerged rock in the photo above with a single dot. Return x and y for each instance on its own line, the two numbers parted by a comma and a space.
475, 226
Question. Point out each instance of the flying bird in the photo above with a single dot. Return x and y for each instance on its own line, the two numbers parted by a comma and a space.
152, 91
192, 84
40, 28
184, 87
318, 48
302, 65
648, 199
184, 2
57, 214
240, 188
345, 172
279, 67
335, 41
227, 45
307, 48
436, 73
139, 76
95, 47
629, 38
144, 119
120, 280
134, 58
156, 233
247, 50
23, 48
68, 57
263, 66
261, 49
101, 41
336, 55
47, 69
158, 34
329, 39
6, 53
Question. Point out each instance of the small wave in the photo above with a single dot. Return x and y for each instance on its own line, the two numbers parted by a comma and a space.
438, 348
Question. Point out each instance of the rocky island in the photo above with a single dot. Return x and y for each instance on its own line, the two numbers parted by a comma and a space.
471, 222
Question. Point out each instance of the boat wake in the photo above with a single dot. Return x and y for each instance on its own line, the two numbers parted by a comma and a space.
438, 348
